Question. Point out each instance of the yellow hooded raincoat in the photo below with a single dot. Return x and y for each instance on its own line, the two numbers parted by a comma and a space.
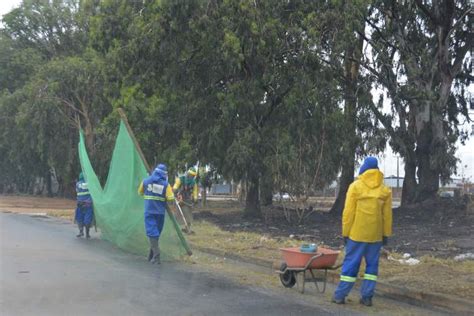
367, 215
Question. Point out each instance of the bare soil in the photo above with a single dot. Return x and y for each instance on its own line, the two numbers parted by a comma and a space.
27, 204
38, 205
441, 228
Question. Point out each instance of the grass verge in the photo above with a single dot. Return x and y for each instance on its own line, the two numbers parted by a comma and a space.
66, 214
435, 275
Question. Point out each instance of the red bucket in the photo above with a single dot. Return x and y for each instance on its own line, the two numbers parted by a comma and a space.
294, 258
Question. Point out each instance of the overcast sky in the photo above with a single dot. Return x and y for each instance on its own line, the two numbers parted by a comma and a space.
388, 161
7, 5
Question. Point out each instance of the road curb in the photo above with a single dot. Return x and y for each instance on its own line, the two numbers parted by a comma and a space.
411, 296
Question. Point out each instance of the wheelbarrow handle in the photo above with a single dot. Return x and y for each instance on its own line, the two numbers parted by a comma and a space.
310, 261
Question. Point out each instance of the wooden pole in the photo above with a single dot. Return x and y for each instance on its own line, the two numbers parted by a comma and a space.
134, 139
147, 166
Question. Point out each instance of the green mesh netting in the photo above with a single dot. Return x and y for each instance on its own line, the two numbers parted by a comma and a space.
118, 208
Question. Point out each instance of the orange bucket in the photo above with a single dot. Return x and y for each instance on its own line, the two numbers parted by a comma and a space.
294, 258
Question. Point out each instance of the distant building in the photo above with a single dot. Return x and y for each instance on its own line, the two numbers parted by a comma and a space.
396, 184
392, 182
224, 188
455, 183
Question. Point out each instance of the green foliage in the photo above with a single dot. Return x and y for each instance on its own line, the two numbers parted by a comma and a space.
51, 28
240, 100
17, 64
54, 84
277, 94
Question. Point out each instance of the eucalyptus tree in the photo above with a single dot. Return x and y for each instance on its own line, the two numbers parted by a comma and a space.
335, 31
249, 80
420, 57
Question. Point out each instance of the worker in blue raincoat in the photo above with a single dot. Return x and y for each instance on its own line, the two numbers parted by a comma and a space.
84, 216
156, 192
366, 226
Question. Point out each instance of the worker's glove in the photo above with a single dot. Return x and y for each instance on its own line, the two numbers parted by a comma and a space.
345, 240
385, 240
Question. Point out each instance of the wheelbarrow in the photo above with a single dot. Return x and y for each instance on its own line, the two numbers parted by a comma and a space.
293, 269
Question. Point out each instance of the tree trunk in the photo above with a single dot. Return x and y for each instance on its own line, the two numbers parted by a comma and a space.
347, 177
428, 179
49, 185
252, 202
89, 137
31, 187
426, 142
242, 191
351, 66
204, 196
428, 176
409, 181
266, 189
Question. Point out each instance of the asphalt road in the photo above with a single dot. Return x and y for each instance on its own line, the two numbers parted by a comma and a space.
46, 270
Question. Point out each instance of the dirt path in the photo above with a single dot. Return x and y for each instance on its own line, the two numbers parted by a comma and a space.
33, 204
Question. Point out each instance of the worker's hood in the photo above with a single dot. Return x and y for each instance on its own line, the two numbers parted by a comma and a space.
159, 174
372, 178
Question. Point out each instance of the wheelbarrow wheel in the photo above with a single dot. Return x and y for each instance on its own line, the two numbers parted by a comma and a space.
288, 278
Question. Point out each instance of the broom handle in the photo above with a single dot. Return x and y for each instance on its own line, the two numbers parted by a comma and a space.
182, 215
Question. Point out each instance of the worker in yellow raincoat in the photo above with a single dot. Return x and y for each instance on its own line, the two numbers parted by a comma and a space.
366, 226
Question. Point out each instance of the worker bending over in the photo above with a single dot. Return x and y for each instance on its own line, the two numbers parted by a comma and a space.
186, 189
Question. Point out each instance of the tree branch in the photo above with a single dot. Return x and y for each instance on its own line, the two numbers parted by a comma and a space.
460, 54
458, 21
424, 9
377, 29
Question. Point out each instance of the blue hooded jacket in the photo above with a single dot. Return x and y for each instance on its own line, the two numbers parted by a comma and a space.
154, 188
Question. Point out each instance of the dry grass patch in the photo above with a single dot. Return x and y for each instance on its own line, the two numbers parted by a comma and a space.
66, 214
432, 274
249, 244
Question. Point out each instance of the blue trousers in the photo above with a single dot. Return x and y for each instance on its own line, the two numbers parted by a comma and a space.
154, 224
84, 215
355, 251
